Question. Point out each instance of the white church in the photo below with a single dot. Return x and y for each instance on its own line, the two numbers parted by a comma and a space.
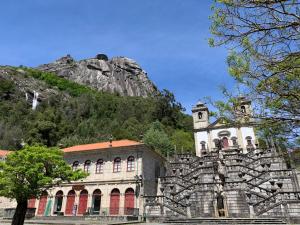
221, 134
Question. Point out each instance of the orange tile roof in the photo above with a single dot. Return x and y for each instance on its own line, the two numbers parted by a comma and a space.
101, 146
4, 153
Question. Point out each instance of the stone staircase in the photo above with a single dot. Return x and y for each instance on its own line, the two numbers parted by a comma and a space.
257, 176
220, 221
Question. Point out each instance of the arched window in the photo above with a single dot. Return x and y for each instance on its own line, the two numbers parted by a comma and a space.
203, 145
87, 166
249, 140
70, 202
99, 166
75, 165
96, 201
58, 201
130, 163
243, 109
129, 202
117, 165
200, 115
114, 202
83, 199
234, 141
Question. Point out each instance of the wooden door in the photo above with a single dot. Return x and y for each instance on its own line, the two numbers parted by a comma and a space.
225, 142
129, 202
31, 203
83, 199
70, 202
42, 203
114, 202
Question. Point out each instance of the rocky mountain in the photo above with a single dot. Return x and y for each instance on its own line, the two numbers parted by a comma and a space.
40, 107
117, 75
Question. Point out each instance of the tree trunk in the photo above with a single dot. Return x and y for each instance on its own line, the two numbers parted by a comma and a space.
20, 213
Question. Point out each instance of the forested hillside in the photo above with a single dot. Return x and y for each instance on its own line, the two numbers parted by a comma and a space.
68, 113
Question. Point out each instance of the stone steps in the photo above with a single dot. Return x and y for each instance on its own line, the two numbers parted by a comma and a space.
226, 221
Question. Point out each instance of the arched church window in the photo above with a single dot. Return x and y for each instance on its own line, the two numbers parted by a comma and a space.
249, 140
200, 115
234, 141
243, 109
203, 146
217, 144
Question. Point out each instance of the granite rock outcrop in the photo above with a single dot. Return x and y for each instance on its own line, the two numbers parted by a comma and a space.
116, 75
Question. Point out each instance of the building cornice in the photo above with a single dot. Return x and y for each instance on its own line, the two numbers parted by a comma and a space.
225, 126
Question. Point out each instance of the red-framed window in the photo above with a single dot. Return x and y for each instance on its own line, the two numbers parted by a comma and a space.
130, 163
87, 166
117, 165
75, 165
99, 166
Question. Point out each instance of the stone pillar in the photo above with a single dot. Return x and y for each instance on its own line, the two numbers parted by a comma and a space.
122, 203
64, 202
188, 212
209, 141
105, 199
89, 201
251, 209
240, 139
76, 202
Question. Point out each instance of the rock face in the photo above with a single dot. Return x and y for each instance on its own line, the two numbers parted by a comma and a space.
117, 75
28, 86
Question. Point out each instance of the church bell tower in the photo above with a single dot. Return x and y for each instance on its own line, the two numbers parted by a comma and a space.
243, 110
200, 116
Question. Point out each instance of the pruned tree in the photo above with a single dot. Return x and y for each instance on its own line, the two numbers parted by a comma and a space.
263, 38
26, 173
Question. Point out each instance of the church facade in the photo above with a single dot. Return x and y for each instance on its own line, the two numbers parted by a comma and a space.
223, 134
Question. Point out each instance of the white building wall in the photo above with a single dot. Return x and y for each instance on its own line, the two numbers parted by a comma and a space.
232, 131
199, 137
248, 131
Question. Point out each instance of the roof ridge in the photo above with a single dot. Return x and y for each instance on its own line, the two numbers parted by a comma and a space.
102, 145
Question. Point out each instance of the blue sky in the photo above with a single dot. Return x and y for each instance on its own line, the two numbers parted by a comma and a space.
168, 38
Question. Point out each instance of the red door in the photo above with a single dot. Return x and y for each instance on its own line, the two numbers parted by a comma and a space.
114, 202
83, 198
42, 203
225, 142
31, 203
70, 202
129, 202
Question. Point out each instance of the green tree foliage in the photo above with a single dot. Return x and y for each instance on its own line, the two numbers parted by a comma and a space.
183, 141
26, 173
157, 139
78, 115
6, 88
263, 38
